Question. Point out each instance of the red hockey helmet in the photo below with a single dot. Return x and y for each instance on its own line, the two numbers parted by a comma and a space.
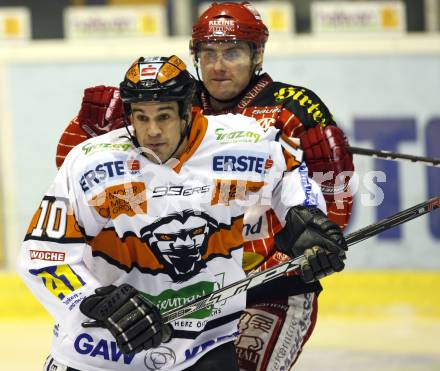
230, 21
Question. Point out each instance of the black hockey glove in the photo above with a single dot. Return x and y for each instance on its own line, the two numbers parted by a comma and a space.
133, 320
309, 232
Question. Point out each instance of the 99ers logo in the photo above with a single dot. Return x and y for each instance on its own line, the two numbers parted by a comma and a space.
179, 190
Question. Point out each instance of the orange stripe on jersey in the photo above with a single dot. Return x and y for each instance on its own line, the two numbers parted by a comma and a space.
132, 251
125, 254
224, 240
56, 224
198, 131
72, 230
128, 198
291, 162
226, 190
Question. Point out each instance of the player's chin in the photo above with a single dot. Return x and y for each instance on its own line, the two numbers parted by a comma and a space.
223, 94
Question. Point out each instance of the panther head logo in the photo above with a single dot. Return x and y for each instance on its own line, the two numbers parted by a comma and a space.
179, 241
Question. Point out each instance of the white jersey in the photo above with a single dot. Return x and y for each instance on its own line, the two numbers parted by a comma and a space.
173, 231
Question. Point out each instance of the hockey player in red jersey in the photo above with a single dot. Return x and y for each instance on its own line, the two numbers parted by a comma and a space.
228, 48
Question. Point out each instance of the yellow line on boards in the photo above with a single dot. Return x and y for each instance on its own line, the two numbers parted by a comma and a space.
351, 294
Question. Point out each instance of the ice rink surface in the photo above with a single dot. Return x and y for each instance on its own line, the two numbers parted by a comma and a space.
371, 321
336, 345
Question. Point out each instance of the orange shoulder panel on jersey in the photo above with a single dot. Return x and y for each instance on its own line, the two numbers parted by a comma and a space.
198, 131
72, 136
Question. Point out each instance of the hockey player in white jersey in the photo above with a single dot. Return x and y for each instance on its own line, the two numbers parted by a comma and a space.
149, 217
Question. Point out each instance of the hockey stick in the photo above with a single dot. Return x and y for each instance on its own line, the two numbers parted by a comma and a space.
431, 161
293, 264
386, 155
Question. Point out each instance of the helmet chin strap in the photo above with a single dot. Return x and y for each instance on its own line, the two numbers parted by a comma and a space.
183, 134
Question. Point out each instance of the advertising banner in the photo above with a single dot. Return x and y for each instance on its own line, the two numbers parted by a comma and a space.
93, 22
15, 23
360, 17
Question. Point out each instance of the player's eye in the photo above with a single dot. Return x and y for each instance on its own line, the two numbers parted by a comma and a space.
140, 117
164, 117
197, 231
208, 55
164, 237
231, 54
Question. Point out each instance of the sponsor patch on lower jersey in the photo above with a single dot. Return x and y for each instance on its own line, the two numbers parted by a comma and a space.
171, 299
103, 349
60, 280
54, 256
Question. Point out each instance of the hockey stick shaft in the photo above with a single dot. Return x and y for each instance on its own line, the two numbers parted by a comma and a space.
386, 155
293, 264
